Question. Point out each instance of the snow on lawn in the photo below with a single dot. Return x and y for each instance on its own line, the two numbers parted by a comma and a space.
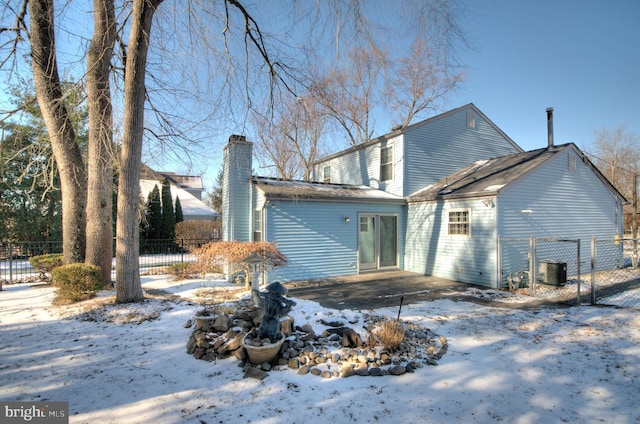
128, 364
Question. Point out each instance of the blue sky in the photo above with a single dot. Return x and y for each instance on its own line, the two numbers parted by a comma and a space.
581, 57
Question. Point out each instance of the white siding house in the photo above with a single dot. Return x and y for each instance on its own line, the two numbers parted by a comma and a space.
432, 198
186, 188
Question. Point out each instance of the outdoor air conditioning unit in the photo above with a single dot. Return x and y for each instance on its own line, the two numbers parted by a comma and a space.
553, 273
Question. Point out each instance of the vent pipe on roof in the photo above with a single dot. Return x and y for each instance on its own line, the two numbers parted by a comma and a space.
550, 128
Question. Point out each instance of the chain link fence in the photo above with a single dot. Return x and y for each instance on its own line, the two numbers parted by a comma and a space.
614, 275
541, 267
602, 272
155, 256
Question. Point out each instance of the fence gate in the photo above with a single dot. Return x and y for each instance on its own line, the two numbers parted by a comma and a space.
615, 277
539, 266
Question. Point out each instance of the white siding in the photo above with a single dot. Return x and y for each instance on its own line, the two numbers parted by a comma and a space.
431, 250
442, 146
316, 239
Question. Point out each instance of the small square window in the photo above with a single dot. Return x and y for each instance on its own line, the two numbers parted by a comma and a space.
459, 223
386, 164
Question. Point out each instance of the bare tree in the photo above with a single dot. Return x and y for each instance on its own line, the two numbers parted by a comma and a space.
291, 137
100, 155
419, 81
616, 152
253, 69
73, 180
348, 93
128, 286
274, 148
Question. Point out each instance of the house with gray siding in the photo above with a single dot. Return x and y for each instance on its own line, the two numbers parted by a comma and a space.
433, 198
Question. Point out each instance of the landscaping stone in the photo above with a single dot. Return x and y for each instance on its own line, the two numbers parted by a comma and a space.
337, 352
253, 372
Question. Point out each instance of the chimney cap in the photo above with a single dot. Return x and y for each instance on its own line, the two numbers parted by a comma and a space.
549, 109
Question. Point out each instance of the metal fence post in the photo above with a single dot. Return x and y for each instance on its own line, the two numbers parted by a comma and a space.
593, 270
10, 263
499, 276
579, 275
533, 271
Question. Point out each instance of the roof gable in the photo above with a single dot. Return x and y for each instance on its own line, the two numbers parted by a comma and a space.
488, 177
417, 125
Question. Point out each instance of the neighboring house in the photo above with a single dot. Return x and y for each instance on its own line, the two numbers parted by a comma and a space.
433, 198
187, 188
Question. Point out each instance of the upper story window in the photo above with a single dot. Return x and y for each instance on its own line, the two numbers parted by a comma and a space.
459, 223
257, 225
386, 163
471, 119
326, 174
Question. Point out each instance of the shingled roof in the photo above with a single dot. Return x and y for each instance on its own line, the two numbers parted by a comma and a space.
487, 177
276, 188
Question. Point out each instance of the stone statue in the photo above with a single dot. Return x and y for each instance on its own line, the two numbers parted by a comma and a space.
274, 305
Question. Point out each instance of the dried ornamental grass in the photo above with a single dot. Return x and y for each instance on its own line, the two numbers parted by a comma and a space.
390, 334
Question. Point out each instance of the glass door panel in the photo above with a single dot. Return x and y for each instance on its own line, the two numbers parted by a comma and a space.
377, 241
367, 242
388, 240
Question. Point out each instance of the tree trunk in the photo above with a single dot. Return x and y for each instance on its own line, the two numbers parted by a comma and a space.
73, 180
99, 160
128, 286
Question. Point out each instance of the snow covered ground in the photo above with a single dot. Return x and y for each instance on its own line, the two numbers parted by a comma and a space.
128, 364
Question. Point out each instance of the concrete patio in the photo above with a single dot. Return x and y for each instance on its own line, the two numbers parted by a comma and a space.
385, 289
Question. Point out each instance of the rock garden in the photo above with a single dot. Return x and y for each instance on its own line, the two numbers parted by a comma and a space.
261, 335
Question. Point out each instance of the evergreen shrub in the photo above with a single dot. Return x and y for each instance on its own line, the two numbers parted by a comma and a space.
76, 282
45, 263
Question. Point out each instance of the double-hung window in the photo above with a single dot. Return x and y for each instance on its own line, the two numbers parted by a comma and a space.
386, 163
257, 225
326, 174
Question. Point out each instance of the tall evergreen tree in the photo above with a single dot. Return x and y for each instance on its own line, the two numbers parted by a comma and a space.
179, 214
30, 196
30, 205
154, 215
215, 198
168, 216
